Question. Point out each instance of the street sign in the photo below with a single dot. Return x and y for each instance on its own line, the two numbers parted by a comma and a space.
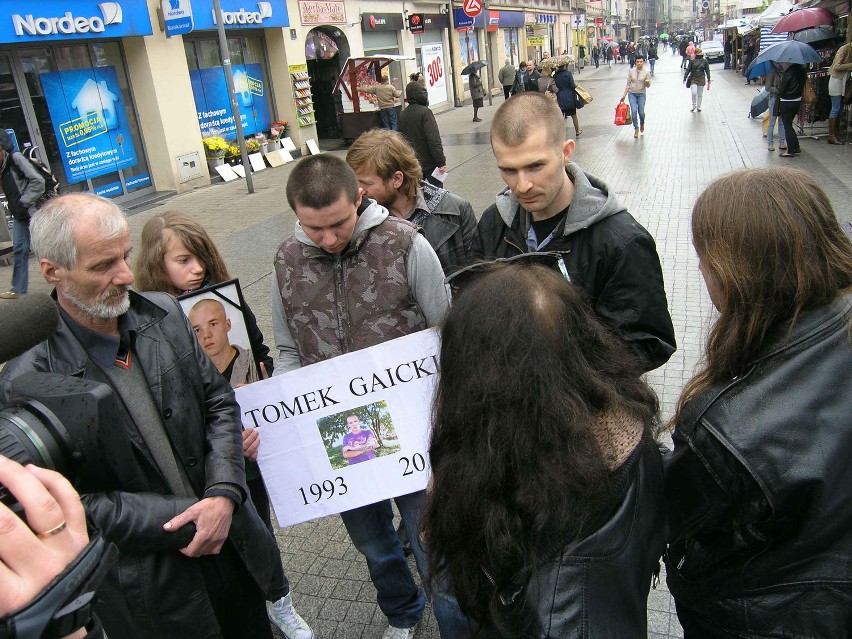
472, 7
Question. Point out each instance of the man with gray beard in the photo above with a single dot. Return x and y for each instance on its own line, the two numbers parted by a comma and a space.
195, 558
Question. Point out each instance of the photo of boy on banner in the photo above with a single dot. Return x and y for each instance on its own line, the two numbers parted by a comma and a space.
358, 435
216, 315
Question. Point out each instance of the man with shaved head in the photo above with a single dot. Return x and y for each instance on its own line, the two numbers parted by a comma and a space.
551, 204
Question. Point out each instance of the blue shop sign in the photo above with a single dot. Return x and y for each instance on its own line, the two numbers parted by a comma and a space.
27, 21
177, 16
210, 90
242, 14
90, 122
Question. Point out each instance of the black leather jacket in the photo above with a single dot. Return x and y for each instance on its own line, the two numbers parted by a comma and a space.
609, 255
154, 590
792, 83
598, 587
758, 489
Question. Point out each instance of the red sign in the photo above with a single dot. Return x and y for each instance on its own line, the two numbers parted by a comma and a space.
416, 23
472, 7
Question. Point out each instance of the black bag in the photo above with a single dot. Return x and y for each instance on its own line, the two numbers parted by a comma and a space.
847, 97
689, 81
51, 184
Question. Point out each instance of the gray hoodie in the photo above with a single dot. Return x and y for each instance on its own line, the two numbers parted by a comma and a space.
592, 202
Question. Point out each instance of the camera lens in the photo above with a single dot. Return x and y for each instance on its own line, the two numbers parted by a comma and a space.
26, 439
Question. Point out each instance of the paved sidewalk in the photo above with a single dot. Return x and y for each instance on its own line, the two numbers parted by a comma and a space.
658, 176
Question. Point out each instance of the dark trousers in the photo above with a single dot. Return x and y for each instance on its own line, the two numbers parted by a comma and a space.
696, 627
507, 89
788, 111
237, 600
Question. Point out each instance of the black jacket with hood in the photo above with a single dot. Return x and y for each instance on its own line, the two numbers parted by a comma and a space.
609, 255
22, 184
417, 123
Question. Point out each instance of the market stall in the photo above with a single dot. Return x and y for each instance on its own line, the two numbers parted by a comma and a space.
359, 111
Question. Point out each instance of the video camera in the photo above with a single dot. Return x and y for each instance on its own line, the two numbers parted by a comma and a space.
61, 423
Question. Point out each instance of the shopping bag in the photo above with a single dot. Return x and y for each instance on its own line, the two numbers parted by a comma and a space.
765, 123
584, 95
621, 113
629, 118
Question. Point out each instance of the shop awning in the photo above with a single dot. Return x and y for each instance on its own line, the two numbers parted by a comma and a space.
545, 18
774, 12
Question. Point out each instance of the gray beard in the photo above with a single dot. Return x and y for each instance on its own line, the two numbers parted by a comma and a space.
99, 309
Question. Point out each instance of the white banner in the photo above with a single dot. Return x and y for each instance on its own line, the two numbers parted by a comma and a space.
435, 72
348, 431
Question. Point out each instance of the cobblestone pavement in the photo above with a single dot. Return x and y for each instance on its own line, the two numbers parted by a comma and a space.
658, 176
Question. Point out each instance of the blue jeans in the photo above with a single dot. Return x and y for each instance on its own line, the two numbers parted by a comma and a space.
371, 530
770, 129
389, 118
651, 62
836, 105
21, 253
637, 108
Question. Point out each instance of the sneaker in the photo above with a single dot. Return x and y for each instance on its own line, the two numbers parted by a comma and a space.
692, 109
783, 146
699, 109
10, 295
477, 119
771, 148
283, 615
398, 633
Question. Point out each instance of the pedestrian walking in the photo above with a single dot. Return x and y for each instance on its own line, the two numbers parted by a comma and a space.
773, 83
477, 94
652, 56
566, 96
533, 74
696, 76
729, 50
684, 43
638, 81
610, 55
567, 405
386, 97
790, 101
838, 77
748, 57
596, 55
520, 78
506, 77
23, 186
581, 57
758, 545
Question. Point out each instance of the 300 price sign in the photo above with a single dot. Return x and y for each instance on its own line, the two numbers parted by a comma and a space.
435, 70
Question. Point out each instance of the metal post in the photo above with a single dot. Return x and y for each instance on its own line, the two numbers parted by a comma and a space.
229, 78
488, 61
456, 100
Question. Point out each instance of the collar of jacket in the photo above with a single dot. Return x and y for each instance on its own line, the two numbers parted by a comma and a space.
373, 215
66, 356
783, 337
592, 202
433, 195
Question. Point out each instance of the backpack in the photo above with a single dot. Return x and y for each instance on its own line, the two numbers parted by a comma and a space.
51, 184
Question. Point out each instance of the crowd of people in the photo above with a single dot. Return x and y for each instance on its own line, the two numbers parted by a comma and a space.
551, 503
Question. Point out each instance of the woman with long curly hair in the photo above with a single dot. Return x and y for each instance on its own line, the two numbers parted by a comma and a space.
544, 514
758, 486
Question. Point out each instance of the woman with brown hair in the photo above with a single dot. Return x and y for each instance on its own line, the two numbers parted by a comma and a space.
544, 513
757, 489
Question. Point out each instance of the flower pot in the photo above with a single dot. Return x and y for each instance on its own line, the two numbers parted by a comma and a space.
212, 163
264, 147
273, 145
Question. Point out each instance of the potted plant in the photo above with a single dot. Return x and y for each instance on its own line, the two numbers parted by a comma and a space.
274, 142
232, 155
252, 145
279, 129
260, 139
215, 148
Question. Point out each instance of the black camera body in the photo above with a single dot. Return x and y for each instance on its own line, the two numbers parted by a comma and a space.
65, 424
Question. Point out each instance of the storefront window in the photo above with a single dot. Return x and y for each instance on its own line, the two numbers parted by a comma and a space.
84, 109
251, 82
510, 45
429, 52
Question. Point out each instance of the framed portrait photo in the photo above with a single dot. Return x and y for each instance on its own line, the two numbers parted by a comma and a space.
216, 314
